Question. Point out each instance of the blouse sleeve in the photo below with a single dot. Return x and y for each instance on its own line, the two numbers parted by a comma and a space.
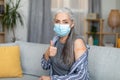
45, 63
80, 73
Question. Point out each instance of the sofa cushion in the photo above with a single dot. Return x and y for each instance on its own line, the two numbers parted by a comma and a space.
7, 44
10, 61
25, 77
104, 63
31, 54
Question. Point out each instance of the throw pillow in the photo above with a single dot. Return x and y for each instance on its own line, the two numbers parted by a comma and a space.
10, 61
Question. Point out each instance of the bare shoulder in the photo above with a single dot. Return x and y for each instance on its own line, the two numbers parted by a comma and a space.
79, 48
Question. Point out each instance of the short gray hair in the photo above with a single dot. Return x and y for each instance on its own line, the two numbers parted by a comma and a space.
66, 10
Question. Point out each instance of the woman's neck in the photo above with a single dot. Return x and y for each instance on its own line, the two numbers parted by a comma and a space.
63, 39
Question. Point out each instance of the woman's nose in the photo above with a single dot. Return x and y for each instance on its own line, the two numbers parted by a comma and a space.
61, 22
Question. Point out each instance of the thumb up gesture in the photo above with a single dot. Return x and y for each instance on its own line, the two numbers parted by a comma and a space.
52, 49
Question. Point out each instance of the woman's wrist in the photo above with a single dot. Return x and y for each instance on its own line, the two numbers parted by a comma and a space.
46, 56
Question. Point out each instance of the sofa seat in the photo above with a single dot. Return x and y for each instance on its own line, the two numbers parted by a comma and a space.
25, 77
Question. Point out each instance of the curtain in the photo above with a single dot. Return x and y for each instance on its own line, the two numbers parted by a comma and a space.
95, 7
40, 24
79, 8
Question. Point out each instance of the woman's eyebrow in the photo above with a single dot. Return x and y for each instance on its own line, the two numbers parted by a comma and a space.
65, 20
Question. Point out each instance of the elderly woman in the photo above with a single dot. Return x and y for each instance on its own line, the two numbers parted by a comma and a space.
67, 54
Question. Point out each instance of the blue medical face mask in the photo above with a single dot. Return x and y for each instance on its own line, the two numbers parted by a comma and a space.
62, 29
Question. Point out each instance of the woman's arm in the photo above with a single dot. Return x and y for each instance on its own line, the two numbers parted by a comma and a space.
79, 48
45, 61
50, 52
45, 64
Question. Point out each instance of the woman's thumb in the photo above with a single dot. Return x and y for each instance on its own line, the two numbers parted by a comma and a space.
51, 43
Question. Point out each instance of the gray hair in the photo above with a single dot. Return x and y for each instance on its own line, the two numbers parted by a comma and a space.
66, 10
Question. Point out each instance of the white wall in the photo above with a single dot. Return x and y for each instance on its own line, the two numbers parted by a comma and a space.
21, 31
107, 5
118, 4
118, 7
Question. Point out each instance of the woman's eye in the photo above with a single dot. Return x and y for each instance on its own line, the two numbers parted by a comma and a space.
56, 21
65, 22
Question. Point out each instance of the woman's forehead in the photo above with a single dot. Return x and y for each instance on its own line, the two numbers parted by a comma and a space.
62, 15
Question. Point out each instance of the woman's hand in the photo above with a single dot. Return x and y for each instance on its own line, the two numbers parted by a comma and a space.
51, 51
44, 78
